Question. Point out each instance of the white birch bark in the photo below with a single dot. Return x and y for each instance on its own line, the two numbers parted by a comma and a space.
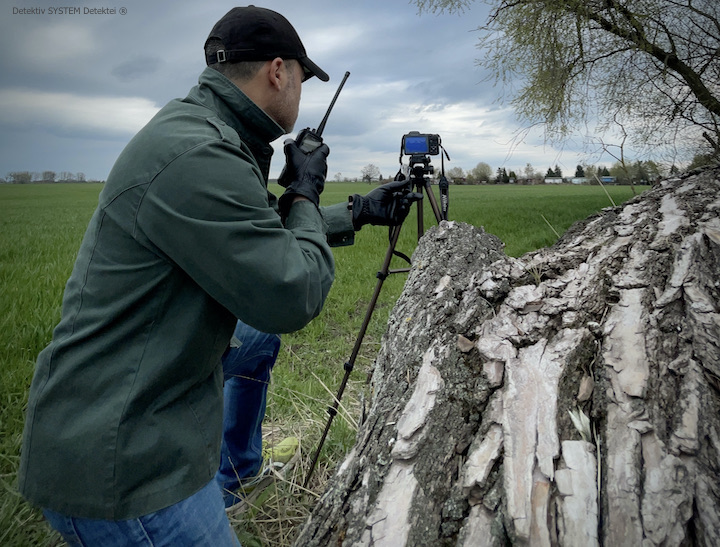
470, 439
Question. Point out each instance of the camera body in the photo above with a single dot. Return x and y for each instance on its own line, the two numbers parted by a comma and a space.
418, 144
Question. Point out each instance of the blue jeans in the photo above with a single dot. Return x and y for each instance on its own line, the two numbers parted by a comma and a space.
195, 521
246, 366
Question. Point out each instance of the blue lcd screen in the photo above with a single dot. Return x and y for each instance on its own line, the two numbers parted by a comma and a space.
416, 145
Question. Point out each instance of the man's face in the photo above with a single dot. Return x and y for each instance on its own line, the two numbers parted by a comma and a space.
287, 106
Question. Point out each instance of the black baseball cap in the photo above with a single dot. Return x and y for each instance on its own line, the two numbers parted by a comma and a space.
259, 34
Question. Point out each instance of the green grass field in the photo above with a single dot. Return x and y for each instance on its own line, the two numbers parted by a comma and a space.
41, 227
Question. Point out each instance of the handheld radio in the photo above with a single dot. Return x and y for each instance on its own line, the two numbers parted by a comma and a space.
309, 139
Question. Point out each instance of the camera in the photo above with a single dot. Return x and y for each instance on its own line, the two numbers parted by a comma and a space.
420, 146
416, 143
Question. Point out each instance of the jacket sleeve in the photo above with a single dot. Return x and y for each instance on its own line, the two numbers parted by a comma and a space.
209, 213
338, 218
340, 229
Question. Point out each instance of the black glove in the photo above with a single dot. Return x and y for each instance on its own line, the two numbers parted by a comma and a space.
387, 205
303, 175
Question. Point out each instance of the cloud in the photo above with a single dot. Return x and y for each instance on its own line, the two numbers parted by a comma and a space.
135, 68
52, 47
68, 113
93, 81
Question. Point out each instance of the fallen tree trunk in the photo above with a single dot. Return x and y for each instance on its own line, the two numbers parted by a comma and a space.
568, 397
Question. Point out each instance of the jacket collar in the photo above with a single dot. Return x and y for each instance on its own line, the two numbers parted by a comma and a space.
232, 106
238, 111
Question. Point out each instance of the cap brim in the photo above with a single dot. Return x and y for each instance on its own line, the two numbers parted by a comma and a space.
311, 69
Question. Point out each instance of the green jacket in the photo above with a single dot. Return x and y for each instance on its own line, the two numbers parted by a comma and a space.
125, 409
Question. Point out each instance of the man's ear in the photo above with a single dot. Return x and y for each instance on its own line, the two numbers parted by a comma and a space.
276, 73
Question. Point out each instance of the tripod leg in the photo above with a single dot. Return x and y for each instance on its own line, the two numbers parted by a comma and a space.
350, 364
433, 202
420, 215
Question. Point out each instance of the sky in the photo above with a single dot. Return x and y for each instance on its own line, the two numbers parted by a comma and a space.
76, 87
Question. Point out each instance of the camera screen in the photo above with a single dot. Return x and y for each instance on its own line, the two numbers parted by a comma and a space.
416, 145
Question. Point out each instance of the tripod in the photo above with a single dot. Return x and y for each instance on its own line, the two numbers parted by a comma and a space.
420, 167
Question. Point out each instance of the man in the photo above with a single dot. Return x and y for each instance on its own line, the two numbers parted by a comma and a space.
124, 419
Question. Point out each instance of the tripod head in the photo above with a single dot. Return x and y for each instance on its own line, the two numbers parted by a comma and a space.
419, 168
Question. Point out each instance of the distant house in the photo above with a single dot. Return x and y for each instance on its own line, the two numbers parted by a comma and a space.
608, 180
580, 180
553, 180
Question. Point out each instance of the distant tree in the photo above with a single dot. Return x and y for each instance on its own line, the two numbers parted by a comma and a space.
701, 160
48, 176
338, 177
529, 171
621, 172
370, 173
640, 172
590, 172
66, 176
550, 173
604, 172
654, 170
456, 173
20, 177
482, 172
652, 65
502, 176
646, 171
80, 177
580, 171
558, 171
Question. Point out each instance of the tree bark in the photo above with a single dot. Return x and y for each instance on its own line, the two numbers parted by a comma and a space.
489, 362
